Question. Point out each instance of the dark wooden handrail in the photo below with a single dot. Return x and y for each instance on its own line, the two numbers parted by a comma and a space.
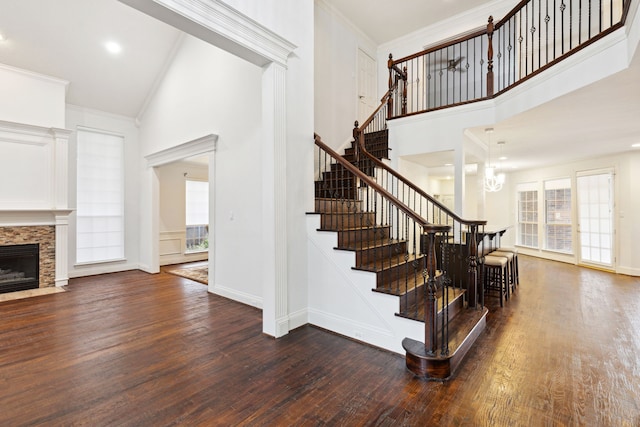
439, 46
377, 187
358, 134
485, 63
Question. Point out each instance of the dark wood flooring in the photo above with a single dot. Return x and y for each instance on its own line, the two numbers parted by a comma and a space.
131, 349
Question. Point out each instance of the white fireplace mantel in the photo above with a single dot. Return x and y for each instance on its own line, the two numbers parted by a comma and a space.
32, 217
34, 183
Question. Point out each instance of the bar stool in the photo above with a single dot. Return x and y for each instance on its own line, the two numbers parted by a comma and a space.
514, 251
511, 269
495, 276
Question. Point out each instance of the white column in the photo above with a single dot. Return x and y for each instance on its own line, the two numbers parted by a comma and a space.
149, 259
480, 191
60, 191
459, 186
275, 316
62, 249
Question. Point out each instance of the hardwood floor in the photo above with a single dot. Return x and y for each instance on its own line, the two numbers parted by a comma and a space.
131, 349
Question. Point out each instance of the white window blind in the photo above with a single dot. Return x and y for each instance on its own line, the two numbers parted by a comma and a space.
197, 215
558, 228
100, 197
527, 197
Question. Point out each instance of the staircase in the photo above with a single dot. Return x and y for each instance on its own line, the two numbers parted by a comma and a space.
389, 241
418, 251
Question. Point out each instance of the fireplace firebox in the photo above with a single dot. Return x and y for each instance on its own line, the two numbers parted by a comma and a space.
19, 267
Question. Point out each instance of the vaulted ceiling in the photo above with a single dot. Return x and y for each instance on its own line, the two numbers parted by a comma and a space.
65, 39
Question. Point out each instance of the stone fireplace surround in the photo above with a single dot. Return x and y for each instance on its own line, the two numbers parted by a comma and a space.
44, 235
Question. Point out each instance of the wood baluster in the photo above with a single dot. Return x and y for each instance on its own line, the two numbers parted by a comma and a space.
490, 58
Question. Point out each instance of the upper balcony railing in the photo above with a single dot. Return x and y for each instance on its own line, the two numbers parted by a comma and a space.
532, 37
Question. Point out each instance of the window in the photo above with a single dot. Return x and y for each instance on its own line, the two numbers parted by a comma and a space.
595, 216
100, 197
557, 202
197, 215
527, 215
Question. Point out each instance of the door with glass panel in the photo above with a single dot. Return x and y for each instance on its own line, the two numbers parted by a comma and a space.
595, 218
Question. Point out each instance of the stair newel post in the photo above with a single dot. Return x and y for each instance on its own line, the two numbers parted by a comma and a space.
490, 58
404, 91
430, 302
446, 281
472, 244
390, 99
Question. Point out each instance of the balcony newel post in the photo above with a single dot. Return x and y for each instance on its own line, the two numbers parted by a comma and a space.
430, 302
404, 91
390, 99
490, 58
356, 142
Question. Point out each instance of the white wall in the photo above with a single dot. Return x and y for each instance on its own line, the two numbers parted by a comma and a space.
172, 210
336, 52
125, 126
294, 20
31, 98
206, 90
502, 209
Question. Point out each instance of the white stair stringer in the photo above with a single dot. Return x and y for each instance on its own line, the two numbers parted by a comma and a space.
341, 299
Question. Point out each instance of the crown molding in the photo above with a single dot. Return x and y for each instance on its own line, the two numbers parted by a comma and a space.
21, 133
34, 75
222, 26
192, 148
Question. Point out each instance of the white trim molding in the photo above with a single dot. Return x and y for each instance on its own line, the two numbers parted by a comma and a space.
222, 26
195, 147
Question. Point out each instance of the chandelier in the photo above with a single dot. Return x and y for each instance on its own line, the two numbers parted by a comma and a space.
493, 181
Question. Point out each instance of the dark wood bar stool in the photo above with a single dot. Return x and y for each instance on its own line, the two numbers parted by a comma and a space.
511, 269
495, 276
514, 251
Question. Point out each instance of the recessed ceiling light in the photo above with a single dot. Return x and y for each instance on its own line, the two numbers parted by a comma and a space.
503, 158
448, 164
636, 145
113, 47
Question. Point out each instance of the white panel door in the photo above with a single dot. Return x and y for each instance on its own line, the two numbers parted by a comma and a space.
595, 218
367, 100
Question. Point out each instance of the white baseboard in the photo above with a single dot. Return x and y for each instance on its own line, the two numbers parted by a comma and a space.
92, 270
298, 318
356, 330
629, 271
239, 296
183, 258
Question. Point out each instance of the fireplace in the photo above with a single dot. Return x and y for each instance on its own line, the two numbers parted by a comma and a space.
19, 267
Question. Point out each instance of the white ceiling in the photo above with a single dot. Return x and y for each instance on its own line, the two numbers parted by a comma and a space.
64, 39
384, 21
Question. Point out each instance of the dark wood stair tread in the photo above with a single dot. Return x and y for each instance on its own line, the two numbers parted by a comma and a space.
371, 244
416, 310
403, 286
356, 228
391, 262
464, 330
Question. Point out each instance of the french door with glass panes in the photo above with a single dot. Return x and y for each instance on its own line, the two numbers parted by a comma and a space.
595, 217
